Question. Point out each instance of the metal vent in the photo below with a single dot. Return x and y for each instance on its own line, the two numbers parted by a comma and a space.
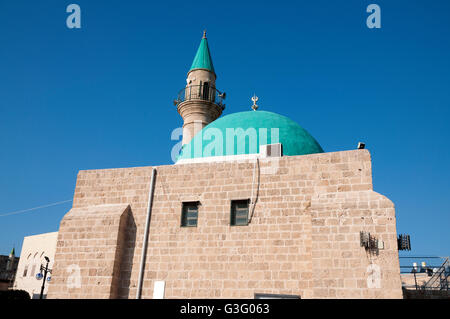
271, 150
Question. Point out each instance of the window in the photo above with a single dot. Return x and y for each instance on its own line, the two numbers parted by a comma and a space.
25, 271
206, 91
200, 89
33, 270
239, 212
189, 214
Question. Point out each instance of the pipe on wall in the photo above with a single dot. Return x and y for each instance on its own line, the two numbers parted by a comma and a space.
145, 239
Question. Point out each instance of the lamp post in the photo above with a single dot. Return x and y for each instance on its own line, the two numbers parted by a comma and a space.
414, 271
45, 270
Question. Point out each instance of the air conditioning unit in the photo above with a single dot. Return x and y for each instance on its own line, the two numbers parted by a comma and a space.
271, 150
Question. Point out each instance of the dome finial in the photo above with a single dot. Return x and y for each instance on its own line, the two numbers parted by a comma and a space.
255, 99
204, 34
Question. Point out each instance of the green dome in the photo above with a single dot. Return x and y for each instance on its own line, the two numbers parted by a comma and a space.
243, 132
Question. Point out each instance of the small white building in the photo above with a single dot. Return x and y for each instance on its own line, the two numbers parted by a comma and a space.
34, 250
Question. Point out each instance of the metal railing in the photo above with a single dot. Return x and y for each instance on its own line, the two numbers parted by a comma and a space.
201, 92
439, 275
440, 278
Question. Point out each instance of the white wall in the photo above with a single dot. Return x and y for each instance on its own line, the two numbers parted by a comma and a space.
34, 249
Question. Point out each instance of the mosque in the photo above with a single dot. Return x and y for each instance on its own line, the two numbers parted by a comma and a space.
252, 208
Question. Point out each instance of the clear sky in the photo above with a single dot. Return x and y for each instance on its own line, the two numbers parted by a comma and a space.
102, 96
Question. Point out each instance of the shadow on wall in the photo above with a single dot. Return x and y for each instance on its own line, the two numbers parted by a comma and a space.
424, 294
14, 295
126, 264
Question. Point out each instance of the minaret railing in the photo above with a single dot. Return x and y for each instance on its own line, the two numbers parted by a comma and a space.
202, 93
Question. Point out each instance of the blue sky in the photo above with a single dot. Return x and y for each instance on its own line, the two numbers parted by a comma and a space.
101, 96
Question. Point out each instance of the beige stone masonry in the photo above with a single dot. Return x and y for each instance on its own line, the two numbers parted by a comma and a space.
340, 264
303, 238
89, 253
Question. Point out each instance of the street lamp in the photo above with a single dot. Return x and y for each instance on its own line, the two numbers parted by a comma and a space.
46, 270
414, 271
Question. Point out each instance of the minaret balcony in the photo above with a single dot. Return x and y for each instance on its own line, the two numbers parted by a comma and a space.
201, 93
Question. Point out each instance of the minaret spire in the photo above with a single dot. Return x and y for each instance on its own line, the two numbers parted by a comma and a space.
203, 58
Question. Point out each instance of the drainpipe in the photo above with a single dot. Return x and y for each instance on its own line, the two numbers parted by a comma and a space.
145, 239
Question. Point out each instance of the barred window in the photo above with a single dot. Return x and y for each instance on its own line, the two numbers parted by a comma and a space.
189, 214
239, 212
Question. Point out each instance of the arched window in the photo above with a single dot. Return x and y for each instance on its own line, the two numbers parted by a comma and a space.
36, 263
206, 91
33, 269
25, 270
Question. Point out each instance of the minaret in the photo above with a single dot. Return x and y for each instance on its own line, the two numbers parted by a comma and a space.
199, 103
11, 260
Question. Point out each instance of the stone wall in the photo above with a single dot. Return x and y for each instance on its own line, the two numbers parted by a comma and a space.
89, 254
294, 234
342, 268
409, 281
426, 294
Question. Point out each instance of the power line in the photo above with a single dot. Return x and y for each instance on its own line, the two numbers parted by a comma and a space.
34, 208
